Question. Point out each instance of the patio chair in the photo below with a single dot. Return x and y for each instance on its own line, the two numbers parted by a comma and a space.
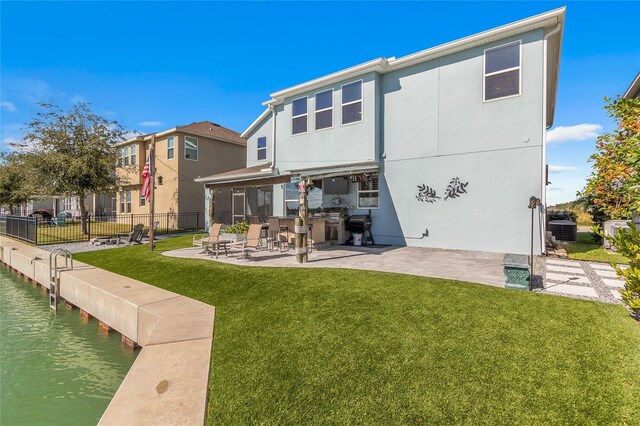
133, 237
251, 243
276, 232
214, 234
60, 219
145, 234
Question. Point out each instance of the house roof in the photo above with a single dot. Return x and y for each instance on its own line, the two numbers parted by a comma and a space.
240, 174
634, 89
255, 123
548, 21
205, 129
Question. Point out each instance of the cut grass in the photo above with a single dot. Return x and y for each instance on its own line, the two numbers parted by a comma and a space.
586, 249
323, 346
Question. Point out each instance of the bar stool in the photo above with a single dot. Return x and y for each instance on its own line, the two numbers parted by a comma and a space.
275, 231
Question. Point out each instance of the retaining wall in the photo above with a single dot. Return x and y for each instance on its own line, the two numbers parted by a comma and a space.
169, 380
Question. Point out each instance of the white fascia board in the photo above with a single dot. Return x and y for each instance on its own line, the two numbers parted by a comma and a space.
633, 89
255, 123
236, 178
377, 65
543, 20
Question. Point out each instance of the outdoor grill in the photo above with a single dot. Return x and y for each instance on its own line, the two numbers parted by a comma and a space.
360, 224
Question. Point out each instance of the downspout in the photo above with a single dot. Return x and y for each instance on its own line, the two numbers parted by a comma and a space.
273, 137
543, 193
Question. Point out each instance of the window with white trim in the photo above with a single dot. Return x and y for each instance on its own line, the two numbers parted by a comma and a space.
143, 200
368, 193
125, 202
120, 156
299, 116
191, 148
352, 102
132, 155
324, 109
291, 199
502, 66
126, 155
128, 201
170, 147
262, 148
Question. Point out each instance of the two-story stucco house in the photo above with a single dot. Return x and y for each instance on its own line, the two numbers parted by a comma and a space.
182, 154
442, 148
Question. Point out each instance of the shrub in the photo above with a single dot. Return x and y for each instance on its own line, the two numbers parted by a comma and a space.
627, 241
237, 228
562, 215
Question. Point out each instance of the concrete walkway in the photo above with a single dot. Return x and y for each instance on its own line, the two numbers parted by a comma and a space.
583, 280
473, 266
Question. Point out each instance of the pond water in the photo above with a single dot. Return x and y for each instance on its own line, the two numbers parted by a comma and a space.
54, 368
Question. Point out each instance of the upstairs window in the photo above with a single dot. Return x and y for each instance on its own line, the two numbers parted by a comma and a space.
299, 116
126, 156
324, 109
502, 66
352, 102
132, 155
120, 156
170, 147
368, 193
262, 148
191, 148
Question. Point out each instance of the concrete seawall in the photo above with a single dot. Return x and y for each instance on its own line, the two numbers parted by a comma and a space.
168, 383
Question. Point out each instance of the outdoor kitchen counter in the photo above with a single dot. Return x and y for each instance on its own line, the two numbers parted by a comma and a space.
319, 225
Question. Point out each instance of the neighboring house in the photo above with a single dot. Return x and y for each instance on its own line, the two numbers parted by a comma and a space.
182, 154
634, 89
443, 148
96, 204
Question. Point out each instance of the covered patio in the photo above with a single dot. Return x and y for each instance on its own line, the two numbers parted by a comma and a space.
463, 265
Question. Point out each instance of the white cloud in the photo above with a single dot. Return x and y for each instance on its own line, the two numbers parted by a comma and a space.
6, 105
31, 90
579, 132
151, 123
558, 169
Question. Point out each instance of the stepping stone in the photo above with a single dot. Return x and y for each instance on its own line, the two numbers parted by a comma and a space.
601, 266
616, 294
571, 270
567, 278
613, 283
606, 274
561, 262
574, 290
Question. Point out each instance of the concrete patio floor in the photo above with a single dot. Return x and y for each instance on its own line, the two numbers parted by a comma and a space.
473, 266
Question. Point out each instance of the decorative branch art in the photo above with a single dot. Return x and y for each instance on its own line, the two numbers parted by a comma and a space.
427, 194
456, 187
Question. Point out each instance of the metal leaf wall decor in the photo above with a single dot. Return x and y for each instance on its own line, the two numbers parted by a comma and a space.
427, 194
455, 189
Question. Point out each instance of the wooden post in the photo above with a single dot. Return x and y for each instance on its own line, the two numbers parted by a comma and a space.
302, 228
152, 171
212, 204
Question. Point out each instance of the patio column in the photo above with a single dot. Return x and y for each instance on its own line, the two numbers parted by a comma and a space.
301, 224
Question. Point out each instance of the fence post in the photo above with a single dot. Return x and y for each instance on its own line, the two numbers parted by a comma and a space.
197, 220
35, 237
88, 227
131, 215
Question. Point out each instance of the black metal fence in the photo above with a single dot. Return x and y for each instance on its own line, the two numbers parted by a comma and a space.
56, 230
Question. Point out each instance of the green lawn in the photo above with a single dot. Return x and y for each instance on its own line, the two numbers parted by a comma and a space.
586, 249
327, 346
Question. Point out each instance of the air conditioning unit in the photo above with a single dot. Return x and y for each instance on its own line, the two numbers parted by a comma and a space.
611, 228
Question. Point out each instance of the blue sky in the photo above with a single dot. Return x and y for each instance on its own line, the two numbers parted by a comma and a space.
152, 65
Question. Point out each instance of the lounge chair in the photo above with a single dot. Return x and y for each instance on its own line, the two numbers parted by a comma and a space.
145, 235
133, 237
251, 243
199, 240
60, 219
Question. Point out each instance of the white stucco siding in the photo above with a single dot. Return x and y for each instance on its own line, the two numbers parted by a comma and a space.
341, 144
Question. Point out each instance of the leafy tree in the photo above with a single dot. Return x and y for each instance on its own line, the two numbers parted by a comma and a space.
627, 241
615, 171
74, 151
14, 183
